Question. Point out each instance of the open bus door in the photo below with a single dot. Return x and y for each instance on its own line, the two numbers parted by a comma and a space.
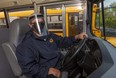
104, 29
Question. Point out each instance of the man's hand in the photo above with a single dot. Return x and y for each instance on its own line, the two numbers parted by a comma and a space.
54, 71
81, 36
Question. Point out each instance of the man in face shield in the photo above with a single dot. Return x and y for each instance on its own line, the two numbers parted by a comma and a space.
38, 54
37, 24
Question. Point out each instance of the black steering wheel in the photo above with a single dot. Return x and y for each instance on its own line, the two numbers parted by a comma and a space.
69, 56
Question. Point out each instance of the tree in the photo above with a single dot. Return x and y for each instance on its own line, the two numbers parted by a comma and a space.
113, 5
110, 16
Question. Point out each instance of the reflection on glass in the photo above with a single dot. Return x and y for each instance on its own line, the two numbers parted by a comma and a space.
73, 19
54, 20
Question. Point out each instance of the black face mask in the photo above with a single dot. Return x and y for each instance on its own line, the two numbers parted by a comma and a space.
40, 24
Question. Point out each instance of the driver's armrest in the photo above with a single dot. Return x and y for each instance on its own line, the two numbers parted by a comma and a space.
64, 74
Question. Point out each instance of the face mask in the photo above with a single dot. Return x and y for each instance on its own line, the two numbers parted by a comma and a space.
41, 25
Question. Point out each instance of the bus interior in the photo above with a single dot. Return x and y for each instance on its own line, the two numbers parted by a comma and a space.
92, 57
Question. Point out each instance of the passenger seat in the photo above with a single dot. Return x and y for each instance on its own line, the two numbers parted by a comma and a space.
5, 69
18, 28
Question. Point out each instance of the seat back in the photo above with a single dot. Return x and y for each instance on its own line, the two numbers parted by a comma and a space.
17, 29
4, 65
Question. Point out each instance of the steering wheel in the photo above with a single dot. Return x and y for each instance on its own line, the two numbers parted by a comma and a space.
69, 56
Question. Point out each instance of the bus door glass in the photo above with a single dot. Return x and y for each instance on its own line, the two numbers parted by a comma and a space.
110, 21
54, 19
74, 19
73, 24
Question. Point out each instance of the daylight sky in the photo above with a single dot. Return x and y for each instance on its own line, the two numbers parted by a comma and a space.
108, 2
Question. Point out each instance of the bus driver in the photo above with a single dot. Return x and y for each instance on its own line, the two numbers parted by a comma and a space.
38, 53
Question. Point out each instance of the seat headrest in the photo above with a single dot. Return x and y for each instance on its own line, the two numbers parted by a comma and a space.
18, 28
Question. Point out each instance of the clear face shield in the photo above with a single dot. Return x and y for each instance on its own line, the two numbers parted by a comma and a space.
38, 24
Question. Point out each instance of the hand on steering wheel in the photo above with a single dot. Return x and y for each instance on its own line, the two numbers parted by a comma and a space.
69, 56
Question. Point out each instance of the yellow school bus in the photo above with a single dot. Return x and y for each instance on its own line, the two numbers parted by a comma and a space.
72, 20
17, 14
72, 13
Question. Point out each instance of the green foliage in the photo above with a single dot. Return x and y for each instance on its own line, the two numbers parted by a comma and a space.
113, 5
110, 16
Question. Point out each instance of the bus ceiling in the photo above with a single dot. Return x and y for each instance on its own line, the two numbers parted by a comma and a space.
19, 3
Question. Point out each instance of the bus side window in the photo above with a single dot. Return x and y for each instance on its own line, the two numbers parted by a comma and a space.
2, 20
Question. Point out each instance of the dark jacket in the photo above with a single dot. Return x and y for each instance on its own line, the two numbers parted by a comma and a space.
37, 55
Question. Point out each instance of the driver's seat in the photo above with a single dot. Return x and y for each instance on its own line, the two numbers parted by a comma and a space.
17, 30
